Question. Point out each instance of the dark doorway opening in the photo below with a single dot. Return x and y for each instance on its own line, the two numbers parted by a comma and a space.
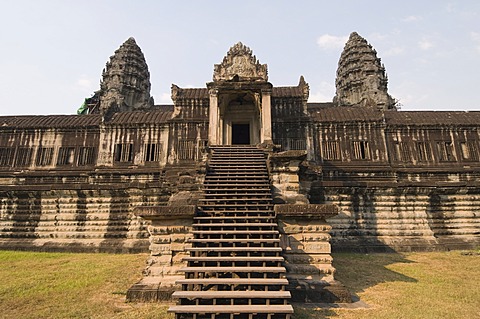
241, 134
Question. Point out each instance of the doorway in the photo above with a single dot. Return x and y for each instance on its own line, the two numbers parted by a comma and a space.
240, 134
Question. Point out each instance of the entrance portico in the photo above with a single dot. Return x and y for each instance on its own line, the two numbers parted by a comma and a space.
239, 108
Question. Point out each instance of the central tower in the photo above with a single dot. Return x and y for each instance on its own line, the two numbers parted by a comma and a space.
240, 100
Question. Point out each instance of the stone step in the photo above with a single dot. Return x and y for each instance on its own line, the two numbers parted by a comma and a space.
223, 217
261, 214
237, 190
240, 218
250, 181
234, 281
236, 173
232, 259
236, 184
237, 168
235, 249
218, 153
230, 201
238, 207
244, 181
236, 240
223, 153
233, 309
244, 163
231, 294
237, 199
238, 195
235, 225
237, 161
234, 269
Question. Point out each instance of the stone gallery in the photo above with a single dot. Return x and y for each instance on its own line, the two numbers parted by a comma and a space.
240, 189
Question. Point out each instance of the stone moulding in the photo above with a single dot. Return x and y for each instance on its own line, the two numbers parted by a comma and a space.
165, 212
305, 240
170, 232
315, 211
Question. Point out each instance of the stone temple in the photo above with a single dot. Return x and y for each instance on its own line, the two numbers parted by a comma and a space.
239, 190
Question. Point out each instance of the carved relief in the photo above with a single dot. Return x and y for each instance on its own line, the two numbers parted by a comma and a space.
240, 65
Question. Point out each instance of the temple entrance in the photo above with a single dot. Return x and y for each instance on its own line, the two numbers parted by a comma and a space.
239, 115
240, 133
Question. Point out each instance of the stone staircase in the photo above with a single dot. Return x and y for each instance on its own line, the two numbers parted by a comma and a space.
235, 265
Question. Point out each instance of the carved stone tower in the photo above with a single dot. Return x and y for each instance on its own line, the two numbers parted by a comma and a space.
361, 78
125, 82
240, 100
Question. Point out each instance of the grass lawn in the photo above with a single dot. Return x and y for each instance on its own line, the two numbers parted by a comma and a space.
414, 285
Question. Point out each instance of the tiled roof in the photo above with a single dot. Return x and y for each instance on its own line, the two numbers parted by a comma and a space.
315, 106
160, 114
287, 91
193, 93
432, 118
50, 121
345, 114
202, 93
141, 117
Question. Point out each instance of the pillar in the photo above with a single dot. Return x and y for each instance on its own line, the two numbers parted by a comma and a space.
266, 132
213, 124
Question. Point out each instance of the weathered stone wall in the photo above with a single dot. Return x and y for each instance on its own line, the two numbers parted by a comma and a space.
68, 199
401, 216
89, 211
83, 219
170, 230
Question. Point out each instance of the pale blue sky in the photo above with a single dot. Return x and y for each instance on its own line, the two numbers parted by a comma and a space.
53, 51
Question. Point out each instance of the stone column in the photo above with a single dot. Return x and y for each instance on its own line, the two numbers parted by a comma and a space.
213, 125
170, 231
266, 132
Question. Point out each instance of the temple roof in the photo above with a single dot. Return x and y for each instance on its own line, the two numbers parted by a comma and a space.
287, 91
141, 117
433, 118
324, 112
50, 121
160, 115
202, 93
319, 112
345, 114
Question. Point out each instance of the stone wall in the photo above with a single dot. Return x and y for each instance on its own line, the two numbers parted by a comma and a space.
169, 230
400, 217
89, 211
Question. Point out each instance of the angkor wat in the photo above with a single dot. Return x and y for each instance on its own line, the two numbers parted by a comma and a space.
396, 180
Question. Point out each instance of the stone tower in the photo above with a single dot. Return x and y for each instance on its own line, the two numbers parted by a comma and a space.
361, 78
125, 84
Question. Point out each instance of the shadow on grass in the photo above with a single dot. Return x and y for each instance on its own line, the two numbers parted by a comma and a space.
358, 272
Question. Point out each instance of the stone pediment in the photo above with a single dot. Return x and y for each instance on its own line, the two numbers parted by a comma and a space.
240, 65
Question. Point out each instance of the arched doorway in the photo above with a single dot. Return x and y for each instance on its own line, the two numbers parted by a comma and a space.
240, 119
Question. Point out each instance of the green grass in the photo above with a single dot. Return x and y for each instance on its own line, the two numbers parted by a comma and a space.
61, 285
414, 285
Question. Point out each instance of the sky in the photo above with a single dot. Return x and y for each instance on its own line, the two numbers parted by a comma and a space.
53, 51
